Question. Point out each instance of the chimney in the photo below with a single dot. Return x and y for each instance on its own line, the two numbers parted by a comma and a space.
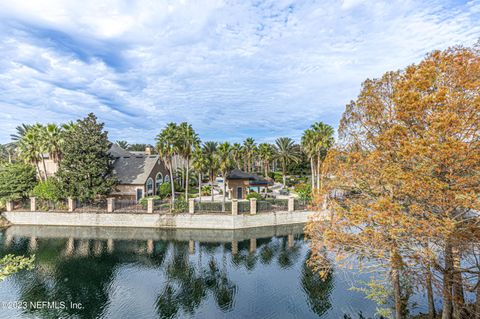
148, 150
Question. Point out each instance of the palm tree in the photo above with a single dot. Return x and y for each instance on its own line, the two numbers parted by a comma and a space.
237, 154
200, 166
324, 140
309, 147
249, 148
187, 140
224, 153
286, 152
266, 153
29, 150
210, 154
21, 131
166, 145
123, 144
54, 141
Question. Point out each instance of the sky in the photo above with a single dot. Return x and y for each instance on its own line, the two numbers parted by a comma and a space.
233, 69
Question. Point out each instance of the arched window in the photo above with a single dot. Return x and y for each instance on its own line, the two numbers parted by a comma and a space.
166, 178
149, 186
158, 181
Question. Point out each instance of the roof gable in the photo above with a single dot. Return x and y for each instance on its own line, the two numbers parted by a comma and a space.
134, 169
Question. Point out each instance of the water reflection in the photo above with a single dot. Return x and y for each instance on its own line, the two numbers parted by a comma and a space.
261, 273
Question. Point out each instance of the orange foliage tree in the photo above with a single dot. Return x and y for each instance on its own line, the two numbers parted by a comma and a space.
404, 182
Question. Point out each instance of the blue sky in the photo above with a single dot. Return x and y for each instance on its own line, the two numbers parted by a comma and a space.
231, 68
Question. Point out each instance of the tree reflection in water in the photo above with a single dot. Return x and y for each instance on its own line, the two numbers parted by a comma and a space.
318, 290
187, 285
89, 273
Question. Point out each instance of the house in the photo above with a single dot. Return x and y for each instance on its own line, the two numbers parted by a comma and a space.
139, 174
239, 183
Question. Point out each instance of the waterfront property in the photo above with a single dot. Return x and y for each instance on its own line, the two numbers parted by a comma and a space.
239, 183
138, 174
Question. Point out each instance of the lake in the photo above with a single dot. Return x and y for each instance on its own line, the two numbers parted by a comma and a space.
117, 273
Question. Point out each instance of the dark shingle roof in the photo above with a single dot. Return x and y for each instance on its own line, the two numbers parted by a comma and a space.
254, 179
239, 174
117, 151
131, 168
134, 169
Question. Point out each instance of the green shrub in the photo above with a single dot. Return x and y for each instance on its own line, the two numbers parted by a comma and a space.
48, 190
165, 190
254, 195
180, 206
304, 191
178, 187
16, 181
144, 201
278, 177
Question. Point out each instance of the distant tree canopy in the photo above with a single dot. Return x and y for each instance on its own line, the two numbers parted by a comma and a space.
16, 180
86, 171
140, 147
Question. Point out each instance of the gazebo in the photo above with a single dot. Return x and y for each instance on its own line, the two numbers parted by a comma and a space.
239, 183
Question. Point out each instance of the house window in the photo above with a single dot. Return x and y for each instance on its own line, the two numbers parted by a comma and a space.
167, 179
149, 186
158, 181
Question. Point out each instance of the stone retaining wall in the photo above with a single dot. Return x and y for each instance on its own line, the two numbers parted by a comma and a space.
181, 221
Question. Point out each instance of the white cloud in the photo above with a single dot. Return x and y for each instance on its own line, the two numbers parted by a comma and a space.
232, 69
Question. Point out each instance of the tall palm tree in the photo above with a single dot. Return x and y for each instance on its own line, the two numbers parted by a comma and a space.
54, 141
187, 141
41, 138
123, 144
286, 152
324, 141
69, 126
266, 153
166, 145
21, 131
29, 149
249, 148
309, 147
210, 154
237, 154
224, 154
200, 166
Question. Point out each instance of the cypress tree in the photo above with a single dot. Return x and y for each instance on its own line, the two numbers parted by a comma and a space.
86, 171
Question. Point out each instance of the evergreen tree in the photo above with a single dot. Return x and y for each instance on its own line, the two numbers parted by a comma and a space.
16, 180
86, 171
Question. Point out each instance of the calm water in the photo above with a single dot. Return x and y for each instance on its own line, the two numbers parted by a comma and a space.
148, 273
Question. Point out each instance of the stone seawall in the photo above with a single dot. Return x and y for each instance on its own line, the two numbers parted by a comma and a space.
178, 221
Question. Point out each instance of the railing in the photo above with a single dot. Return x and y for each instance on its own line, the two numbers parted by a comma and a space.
213, 207
301, 204
91, 206
269, 205
129, 206
21, 205
243, 207
161, 206
43, 205
154, 205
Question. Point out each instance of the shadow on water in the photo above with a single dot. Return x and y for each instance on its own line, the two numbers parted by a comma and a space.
186, 273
